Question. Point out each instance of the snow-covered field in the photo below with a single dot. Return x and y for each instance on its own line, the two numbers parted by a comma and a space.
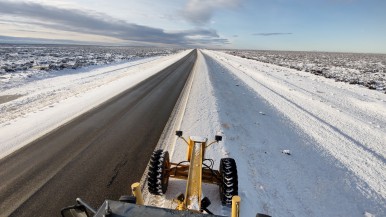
43, 104
304, 145
368, 70
23, 63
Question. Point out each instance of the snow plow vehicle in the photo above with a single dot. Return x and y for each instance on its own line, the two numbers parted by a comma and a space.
194, 170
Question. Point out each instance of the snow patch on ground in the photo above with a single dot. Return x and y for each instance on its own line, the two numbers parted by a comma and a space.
304, 145
48, 103
199, 117
337, 161
23, 63
355, 68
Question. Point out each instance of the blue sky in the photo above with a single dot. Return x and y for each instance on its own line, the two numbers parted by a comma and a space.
310, 25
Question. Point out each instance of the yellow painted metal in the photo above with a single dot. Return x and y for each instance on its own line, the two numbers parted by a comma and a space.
180, 201
136, 189
185, 140
190, 147
211, 144
236, 206
193, 188
194, 173
178, 171
180, 206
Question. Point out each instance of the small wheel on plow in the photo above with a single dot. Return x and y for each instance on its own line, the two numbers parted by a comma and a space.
158, 176
229, 181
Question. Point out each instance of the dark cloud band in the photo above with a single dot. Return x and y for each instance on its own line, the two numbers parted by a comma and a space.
273, 33
100, 24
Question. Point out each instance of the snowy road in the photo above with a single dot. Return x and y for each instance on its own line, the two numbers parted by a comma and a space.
96, 155
304, 145
334, 132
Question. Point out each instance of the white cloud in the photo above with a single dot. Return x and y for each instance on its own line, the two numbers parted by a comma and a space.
94, 23
273, 33
200, 12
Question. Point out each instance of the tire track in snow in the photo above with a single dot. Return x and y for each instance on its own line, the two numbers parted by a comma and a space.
320, 186
195, 114
365, 162
371, 136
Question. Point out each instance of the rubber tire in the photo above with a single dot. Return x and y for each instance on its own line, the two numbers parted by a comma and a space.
229, 181
157, 177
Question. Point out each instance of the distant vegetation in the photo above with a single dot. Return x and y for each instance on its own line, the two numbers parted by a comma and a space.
30, 59
363, 69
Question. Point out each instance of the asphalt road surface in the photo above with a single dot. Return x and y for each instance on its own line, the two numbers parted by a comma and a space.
96, 156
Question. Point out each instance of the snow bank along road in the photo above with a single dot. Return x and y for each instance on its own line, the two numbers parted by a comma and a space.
304, 145
333, 132
96, 155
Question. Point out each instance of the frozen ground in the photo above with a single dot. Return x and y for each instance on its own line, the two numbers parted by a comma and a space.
30, 109
368, 70
304, 145
23, 63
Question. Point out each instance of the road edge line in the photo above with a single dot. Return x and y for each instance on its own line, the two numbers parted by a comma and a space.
174, 123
